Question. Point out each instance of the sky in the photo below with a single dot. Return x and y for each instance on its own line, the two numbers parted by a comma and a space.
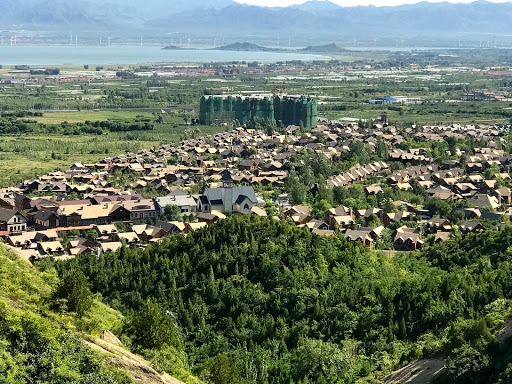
348, 3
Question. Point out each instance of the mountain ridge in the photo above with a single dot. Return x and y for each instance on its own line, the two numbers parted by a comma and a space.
313, 20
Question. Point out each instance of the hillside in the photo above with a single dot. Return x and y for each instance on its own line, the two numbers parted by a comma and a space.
328, 48
260, 301
245, 47
42, 340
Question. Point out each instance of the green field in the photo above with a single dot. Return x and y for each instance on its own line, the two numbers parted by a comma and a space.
82, 116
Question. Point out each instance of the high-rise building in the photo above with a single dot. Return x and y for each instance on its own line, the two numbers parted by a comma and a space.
285, 110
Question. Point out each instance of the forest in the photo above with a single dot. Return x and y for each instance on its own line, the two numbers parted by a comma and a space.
255, 300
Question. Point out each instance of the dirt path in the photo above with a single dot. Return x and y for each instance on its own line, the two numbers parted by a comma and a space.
139, 368
418, 372
424, 370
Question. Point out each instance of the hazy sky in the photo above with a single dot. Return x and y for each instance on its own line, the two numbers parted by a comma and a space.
284, 3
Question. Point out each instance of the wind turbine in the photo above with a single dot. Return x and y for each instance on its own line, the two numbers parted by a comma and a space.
141, 41
109, 40
71, 38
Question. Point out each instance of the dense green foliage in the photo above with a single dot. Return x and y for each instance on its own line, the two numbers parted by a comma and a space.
74, 289
150, 328
284, 305
13, 126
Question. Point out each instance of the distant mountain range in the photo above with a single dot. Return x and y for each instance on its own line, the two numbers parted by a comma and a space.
314, 20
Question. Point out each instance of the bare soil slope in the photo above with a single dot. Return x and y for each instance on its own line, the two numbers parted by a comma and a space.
418, 372
136, 365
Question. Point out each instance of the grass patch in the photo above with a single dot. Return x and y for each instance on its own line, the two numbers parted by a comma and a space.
82, 116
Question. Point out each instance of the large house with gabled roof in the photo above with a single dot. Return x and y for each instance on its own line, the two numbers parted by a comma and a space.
227, 198
12, 221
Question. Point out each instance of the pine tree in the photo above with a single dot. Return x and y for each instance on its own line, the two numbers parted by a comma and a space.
402, 330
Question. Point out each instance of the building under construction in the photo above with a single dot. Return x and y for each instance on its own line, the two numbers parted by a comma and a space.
286, 110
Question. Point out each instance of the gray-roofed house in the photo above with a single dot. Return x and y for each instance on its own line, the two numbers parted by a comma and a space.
227, 198
12, 221
186, 203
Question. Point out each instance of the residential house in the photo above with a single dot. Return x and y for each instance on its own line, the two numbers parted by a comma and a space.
481, 200
361, 236
191, 227
112, 247
395, 217
493, 216
51, 248
340, 217
373, 190
141, 209
12, 221
209, 218
44, 219
471, 227
503, 195
106, 229
87, 214
186, 203
227, 198
80, 246
441, 236
7, 203
315, 224
172, 226
438, 224
298, 210
408, 239
131, 238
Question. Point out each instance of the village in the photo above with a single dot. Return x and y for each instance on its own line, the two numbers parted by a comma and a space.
98, 208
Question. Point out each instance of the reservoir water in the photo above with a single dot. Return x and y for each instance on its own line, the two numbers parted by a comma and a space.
122, 54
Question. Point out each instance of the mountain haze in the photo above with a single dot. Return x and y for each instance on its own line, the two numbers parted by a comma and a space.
313, 20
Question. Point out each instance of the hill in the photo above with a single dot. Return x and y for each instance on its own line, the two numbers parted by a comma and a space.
39, 344
244, 47
328, 48
173, 48
261, 301
53, 338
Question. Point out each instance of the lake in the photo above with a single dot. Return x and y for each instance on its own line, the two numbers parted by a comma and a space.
80, 55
